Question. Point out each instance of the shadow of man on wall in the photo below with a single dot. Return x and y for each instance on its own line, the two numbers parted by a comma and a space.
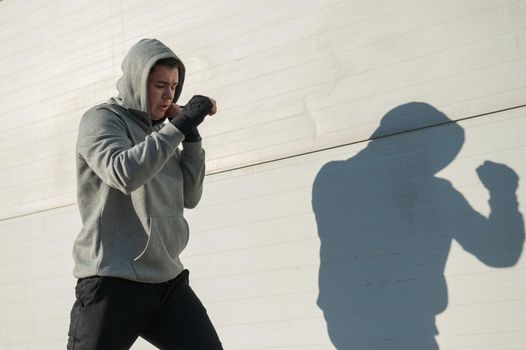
386, 223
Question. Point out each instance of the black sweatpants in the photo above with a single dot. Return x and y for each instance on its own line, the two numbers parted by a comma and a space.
111, 313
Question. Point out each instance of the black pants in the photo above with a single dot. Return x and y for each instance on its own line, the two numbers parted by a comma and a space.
111, 313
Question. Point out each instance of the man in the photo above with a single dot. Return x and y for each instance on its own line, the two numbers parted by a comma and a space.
133, 184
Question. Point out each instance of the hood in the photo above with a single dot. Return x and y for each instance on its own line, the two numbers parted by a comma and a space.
136, 66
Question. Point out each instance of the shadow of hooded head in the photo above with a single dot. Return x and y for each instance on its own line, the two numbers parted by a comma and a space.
386, 223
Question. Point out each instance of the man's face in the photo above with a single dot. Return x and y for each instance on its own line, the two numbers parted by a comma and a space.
161, 89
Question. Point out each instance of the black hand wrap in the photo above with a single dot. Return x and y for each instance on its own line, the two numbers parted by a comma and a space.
192, 114
192, 135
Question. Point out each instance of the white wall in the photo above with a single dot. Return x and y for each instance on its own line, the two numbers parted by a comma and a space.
370, 227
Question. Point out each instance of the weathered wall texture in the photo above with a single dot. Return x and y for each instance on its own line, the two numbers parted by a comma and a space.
364, 186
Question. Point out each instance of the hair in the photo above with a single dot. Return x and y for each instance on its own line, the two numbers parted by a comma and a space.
168, 62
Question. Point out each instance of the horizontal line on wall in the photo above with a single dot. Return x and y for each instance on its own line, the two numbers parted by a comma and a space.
37, 212
364, 140
35, 279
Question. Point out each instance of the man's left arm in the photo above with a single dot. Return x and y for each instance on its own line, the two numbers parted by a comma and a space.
192, 159
193, 167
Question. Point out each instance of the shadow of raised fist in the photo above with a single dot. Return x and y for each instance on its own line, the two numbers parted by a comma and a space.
498, 177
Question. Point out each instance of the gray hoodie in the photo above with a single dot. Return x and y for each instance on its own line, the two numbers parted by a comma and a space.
133, 181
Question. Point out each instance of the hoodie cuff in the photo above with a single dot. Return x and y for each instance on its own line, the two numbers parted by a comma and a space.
175, 135
193, 150
171, 129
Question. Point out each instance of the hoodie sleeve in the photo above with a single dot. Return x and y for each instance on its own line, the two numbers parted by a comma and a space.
104, 144
193, 167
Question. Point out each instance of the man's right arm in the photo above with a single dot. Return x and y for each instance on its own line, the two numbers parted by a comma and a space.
104, 144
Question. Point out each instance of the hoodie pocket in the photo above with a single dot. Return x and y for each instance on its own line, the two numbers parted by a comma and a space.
160, 258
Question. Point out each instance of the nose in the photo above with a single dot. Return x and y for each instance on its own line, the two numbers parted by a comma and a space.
168, 93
